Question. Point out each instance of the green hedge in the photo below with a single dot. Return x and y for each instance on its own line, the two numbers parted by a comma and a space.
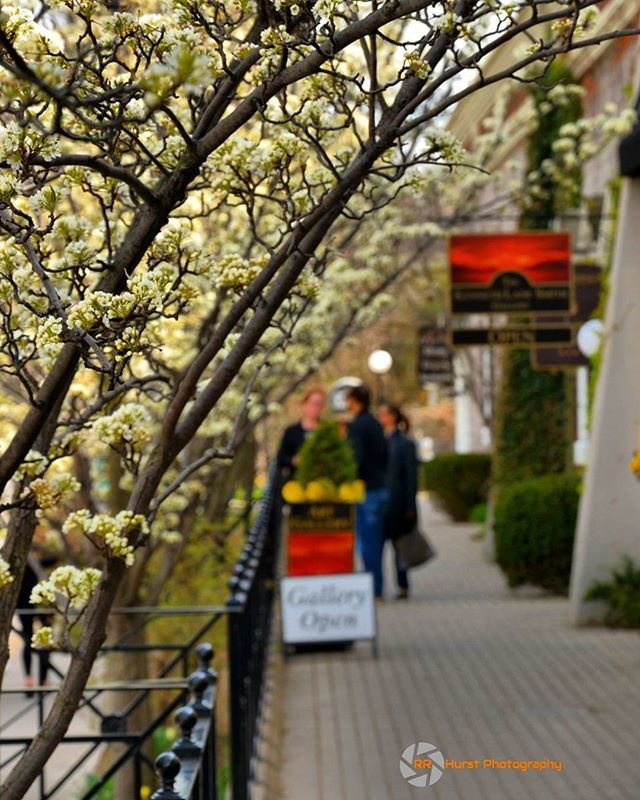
459, 482
534, 527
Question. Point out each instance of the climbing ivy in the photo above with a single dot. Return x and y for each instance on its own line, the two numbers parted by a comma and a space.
550, 118
534, 425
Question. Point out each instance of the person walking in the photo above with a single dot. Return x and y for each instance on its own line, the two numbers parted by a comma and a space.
367, 438
402, 484
295, 435
29, 581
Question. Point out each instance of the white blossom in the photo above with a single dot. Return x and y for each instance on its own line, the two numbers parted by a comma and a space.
67, 586
113, 531
5, 573
129, 424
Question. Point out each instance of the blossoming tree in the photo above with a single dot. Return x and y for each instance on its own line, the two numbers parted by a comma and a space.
177, 181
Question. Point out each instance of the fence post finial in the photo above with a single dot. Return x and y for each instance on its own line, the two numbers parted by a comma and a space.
198, 682
186, 719
205, 653
167, 768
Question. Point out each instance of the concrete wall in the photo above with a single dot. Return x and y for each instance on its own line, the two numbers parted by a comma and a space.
609, 518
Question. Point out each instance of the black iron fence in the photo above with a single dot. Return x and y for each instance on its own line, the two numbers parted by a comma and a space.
190, 769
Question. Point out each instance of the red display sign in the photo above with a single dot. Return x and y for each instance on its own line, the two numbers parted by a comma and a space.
320, 553
511, 273
321, 539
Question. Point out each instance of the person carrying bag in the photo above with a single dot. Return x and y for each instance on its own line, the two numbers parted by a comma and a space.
401, 524
413, 548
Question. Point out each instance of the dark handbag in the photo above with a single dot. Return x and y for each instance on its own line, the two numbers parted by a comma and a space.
413, 548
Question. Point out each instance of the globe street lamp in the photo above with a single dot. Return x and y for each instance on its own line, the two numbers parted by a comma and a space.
379, 362
590, 337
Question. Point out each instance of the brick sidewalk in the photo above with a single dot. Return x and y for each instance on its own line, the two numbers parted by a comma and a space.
479, 671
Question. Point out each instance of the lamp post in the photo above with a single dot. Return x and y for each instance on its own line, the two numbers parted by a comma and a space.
379, 363
589, 341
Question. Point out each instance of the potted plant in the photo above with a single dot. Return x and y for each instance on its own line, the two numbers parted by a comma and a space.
321, 499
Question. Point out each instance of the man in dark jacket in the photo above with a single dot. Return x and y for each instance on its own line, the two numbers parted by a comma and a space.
367, 437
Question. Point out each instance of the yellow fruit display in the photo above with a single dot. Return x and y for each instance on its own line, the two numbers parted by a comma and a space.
320, 491
293, 492
352, 492
324, 490
345, 493
331, 490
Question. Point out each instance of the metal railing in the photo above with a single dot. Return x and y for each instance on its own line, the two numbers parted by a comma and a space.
190, 770
249, 608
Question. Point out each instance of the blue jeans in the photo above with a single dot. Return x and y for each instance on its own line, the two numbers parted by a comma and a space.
370, 533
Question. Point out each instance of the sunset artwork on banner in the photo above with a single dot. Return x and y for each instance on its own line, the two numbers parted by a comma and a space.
510, 273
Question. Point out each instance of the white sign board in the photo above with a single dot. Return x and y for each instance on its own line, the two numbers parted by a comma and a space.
327, 608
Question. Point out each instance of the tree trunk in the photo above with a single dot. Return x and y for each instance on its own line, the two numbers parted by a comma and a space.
124, 665
21, 529
22, 526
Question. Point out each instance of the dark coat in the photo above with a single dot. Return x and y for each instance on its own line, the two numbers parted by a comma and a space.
292, 440
402, 482
370, 448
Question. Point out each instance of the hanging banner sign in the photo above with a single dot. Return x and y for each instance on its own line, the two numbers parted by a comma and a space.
511, 273
588, 286
513, 337
435, 359
328, 608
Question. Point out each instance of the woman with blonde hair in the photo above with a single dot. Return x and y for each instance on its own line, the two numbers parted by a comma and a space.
294, 436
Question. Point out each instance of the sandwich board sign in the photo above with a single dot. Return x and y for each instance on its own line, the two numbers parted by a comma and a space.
319, 609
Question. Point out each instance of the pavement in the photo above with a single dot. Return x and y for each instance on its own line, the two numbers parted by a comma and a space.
480, 673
